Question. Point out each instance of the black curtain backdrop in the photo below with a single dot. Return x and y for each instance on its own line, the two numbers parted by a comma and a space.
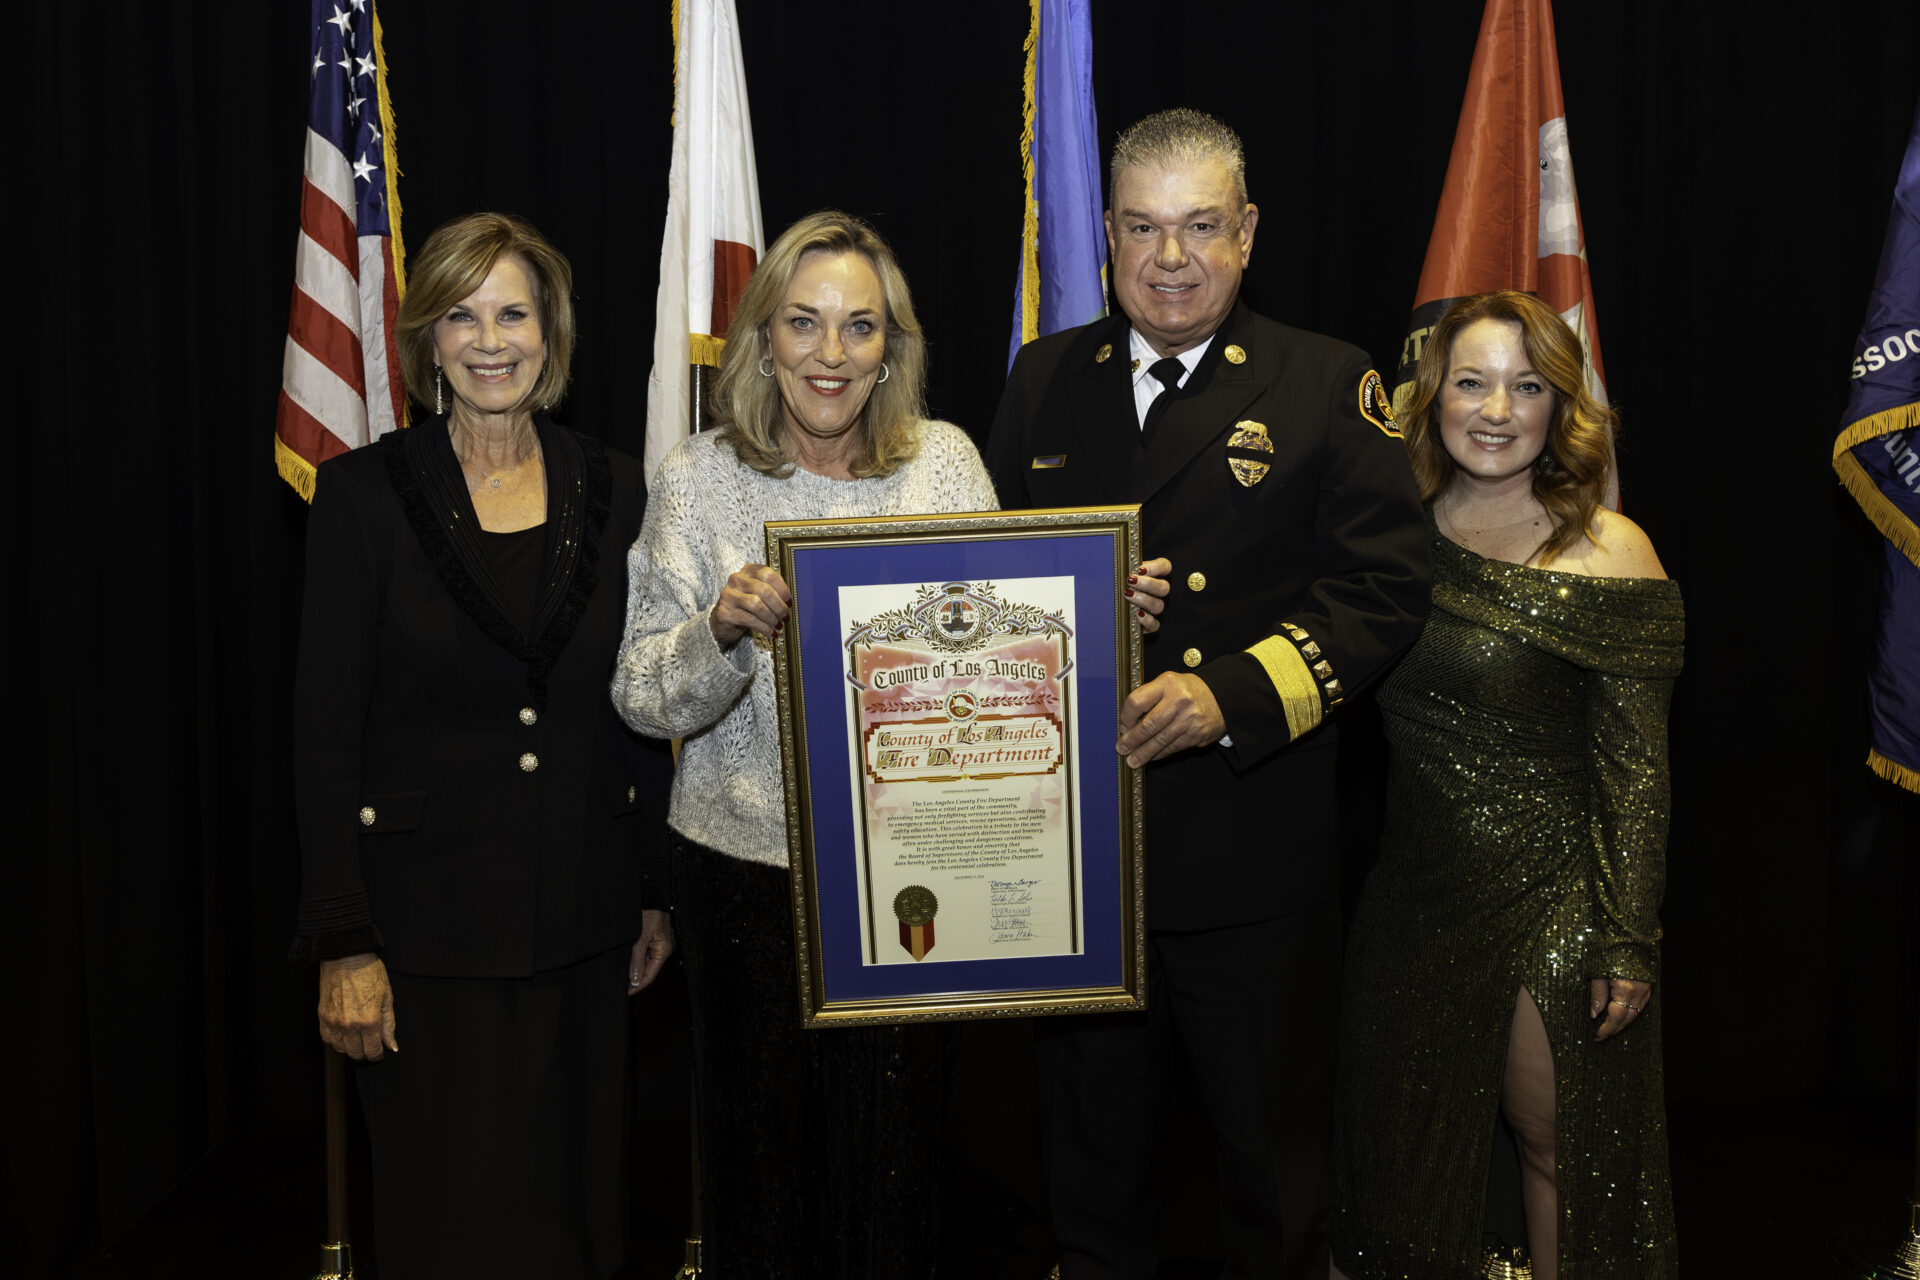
1734, 179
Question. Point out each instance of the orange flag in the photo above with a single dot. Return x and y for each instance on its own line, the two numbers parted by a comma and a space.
1508, 217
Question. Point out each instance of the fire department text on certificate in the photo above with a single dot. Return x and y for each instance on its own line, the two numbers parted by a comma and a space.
962, 728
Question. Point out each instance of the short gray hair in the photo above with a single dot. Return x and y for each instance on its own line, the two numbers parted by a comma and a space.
1180, 136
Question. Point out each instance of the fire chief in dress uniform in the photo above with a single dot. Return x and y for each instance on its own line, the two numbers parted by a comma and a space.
1271, 475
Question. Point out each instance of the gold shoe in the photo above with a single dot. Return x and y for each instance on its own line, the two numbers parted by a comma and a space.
1502, 1261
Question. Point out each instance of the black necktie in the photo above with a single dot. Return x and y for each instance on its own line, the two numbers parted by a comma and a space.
1167, 373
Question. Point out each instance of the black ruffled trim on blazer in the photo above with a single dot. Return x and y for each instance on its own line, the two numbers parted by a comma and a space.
432, 490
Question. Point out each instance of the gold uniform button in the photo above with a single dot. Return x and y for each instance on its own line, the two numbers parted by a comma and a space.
529, 762
1196, 582
630, 794
1235, 355
1100, 356
367, 816
528, 715
1191, 657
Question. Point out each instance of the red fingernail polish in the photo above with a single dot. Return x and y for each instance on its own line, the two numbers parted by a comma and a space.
1133, 578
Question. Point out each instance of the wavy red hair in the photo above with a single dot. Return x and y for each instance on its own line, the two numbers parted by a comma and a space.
1570, 475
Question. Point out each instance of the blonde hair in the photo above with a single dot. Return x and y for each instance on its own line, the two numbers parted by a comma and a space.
746, 407
1570, 475
454, 262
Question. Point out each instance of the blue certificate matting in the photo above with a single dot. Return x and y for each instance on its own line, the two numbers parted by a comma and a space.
818, 572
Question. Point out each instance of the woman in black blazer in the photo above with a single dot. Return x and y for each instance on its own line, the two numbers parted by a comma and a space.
476, 824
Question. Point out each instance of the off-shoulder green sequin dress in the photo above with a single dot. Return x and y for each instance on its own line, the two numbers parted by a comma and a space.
1524, 846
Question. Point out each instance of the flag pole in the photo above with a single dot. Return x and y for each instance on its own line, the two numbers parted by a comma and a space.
690, 1265
336, 1256
697, 398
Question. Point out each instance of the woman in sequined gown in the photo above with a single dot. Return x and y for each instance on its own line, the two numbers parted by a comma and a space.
1506, 946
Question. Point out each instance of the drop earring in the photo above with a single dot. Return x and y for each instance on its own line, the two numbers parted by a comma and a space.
439, 390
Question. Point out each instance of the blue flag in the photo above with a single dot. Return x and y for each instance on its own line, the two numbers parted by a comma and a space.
1878, 458
1063, 248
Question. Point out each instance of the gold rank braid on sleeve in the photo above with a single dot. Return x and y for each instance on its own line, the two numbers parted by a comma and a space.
1524, 846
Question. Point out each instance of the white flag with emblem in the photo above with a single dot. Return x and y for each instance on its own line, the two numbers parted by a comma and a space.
713, 238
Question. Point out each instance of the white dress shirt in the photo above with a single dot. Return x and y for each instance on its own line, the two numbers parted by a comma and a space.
1146, 387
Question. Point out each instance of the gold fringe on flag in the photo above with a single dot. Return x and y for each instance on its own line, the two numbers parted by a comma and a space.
673, 111
1030, 221
1886, 517
293, 468
390, 148
1895, 772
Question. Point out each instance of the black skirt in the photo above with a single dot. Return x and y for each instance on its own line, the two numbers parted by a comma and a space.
499, 1131
819, 1150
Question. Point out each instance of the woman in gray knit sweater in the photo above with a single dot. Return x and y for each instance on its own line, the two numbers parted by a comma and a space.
816, 1149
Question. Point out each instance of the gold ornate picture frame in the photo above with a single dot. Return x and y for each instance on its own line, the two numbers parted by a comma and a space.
963, 839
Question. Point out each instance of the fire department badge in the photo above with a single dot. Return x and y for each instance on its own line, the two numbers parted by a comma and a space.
1249, 452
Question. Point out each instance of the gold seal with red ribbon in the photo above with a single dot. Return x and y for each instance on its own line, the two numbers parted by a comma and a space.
916, 906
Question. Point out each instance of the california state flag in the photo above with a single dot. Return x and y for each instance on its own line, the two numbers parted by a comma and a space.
713, 235
1508, 215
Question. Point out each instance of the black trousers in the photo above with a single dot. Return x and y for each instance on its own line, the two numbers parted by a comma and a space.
499, 1132
819, 1150
1253, 1007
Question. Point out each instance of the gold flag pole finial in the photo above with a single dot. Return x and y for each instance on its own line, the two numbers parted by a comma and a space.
336, 1256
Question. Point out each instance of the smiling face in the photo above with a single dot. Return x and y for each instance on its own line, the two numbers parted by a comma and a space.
1495, 409
1179, 243
828, 337
489, 343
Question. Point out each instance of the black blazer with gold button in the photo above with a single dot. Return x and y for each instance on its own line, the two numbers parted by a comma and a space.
1277, 484
469, 803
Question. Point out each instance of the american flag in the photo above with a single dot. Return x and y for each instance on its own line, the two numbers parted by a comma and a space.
340, 386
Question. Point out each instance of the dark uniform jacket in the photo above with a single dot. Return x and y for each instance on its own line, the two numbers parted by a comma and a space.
469, 803
1300, 571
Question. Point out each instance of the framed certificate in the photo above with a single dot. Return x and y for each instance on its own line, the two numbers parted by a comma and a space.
963, 838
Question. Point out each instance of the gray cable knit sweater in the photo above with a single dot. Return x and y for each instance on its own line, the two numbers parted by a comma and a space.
704, 514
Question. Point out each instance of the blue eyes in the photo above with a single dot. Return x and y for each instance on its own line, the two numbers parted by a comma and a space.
1473, 384
860, 327
512, 316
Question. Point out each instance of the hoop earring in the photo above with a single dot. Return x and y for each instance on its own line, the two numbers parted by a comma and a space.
439, 390
766, 366
883, 373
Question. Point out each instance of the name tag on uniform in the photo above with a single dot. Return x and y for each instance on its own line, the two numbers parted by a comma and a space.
1048, 461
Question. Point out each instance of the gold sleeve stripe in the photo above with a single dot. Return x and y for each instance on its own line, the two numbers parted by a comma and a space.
1299, 694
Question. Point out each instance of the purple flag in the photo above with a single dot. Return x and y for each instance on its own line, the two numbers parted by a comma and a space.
1878, 458
1063, 245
